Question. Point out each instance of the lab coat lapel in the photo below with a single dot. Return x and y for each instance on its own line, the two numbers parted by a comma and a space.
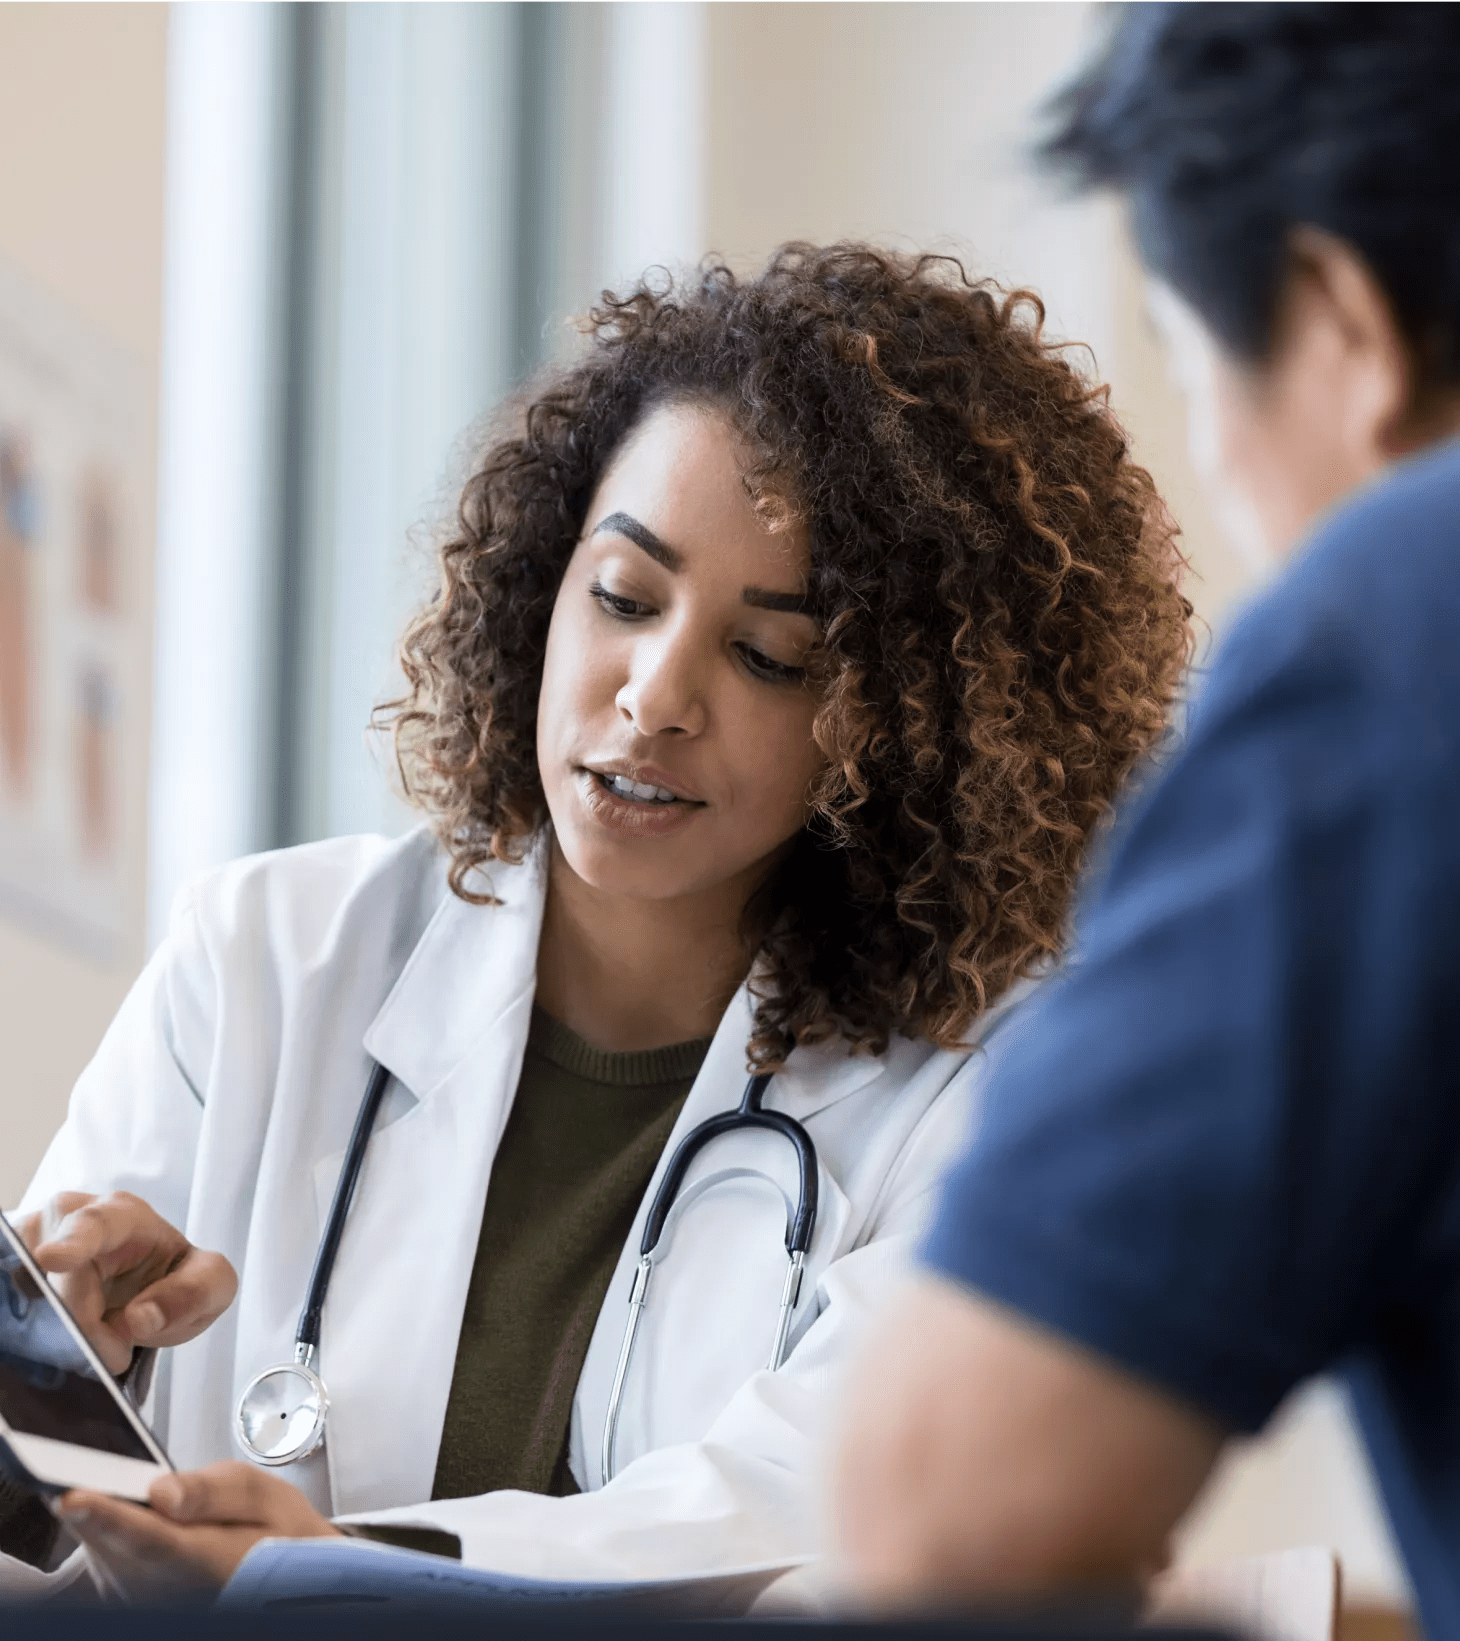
826, 1073
453, 1031
820, 1076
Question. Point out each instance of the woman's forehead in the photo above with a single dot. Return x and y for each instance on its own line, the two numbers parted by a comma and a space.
682, 476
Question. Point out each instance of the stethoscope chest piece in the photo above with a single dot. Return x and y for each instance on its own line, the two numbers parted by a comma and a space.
282, 1414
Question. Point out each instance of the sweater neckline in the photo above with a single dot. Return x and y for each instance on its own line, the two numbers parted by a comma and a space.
623, 1068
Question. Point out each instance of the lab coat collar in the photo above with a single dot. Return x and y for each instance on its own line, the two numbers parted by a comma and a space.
811, 1080
470, 968
474, 964
817, 1076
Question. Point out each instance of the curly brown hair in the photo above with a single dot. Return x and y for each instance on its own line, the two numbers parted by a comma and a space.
996, 581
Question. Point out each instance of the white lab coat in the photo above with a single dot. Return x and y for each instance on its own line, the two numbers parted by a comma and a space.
224, 1094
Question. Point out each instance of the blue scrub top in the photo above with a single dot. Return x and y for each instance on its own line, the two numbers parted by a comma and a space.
1224, 1148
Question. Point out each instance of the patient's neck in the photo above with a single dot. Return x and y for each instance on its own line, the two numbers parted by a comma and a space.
625, 973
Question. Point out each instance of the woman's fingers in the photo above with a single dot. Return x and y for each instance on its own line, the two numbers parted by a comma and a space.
84, 1295
200, 1526
36, 1228
145, 1531
153, 1556
235, 1494
124, 1238
127, 1276
226, 1492
179, 1306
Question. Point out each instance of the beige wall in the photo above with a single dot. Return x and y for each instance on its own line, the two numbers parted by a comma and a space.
909, 124
81, 128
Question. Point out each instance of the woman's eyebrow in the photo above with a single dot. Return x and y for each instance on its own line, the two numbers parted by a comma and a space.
760, 598
626, 525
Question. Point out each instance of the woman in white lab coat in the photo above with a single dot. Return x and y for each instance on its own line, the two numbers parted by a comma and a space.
791, 644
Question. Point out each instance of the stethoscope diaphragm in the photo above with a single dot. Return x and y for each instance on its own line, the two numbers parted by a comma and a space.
282, 1414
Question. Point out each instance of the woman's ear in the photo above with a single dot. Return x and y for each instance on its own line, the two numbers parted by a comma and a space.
1336, 314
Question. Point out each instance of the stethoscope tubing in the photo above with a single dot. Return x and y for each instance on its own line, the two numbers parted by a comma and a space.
748, 1115
306, 1336
799, 1232
293, 1392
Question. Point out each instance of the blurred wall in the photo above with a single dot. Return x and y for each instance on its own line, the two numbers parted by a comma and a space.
910, 124
81, 129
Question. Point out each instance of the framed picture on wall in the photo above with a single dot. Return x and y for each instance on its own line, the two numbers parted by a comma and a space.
70, 731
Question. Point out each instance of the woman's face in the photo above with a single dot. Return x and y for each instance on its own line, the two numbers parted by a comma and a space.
674, 724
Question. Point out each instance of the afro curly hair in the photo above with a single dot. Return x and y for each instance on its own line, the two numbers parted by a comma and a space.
996, 581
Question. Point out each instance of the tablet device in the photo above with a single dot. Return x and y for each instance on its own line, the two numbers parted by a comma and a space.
63, 1419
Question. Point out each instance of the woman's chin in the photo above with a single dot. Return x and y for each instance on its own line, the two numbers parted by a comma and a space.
629, 861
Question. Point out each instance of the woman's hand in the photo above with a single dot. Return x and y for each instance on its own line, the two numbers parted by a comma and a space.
126, 1275
200, 1526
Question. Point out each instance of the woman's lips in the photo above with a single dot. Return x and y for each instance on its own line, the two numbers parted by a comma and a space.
645, 781
627, 812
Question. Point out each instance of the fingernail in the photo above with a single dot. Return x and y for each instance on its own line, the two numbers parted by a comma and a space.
167, 1495
74, 1512
147, 1319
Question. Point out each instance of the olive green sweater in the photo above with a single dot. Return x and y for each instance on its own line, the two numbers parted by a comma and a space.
585, 1133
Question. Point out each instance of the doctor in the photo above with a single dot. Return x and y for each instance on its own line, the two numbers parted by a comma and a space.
788, 650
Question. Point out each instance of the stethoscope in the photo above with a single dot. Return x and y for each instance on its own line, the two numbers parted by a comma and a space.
283, 1411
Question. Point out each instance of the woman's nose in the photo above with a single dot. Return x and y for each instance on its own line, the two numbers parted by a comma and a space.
664, 692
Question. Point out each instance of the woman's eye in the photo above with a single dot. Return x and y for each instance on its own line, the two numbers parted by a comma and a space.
775, 672
615, 604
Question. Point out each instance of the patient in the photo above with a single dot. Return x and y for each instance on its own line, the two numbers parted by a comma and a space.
1222, 1153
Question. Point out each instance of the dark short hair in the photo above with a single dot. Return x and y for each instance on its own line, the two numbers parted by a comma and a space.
996, 580
1229, 125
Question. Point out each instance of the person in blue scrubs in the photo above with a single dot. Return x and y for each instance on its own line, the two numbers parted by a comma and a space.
1222, 1153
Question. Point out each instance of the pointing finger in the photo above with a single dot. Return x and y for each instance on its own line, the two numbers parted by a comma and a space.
39, 1227
117, 1233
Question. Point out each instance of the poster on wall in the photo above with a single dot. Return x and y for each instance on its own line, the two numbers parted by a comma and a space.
69, 731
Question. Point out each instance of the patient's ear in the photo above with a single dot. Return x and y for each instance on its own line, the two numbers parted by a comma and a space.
1335, 322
